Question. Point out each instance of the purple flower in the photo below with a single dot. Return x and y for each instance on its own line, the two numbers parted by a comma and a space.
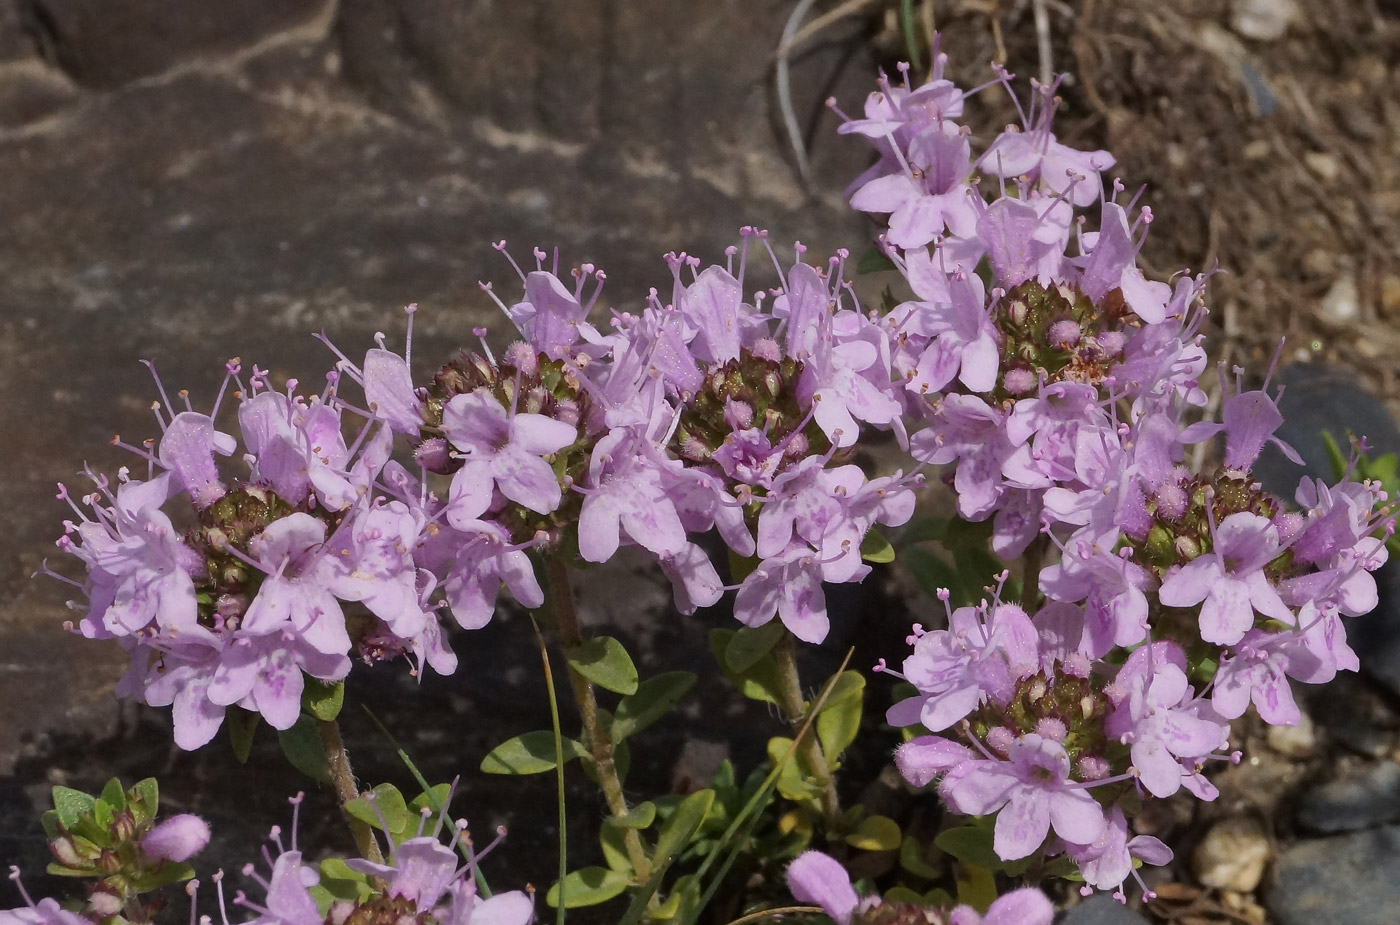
819, 878
504, 449
1156, 714
1108, 862
1031, 793
1026, 906
1230, 580
45, 912
481, 561
630, 493
957, 668
178, 838
789, 585
964, 341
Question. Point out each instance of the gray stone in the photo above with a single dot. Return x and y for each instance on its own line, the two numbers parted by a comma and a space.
1318, 399
1359, 801
1348, 880
1101, 909
101, 43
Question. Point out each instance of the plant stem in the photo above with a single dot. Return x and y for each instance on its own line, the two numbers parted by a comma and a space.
1030, 578
345, 789
785, 654
600, 743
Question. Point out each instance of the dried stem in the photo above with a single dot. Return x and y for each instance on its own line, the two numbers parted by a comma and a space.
600, 743
345, 789
794, 706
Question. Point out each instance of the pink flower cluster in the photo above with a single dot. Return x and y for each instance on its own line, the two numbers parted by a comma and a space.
1059, 390
226, 575
228, 572
705, 411
423, 882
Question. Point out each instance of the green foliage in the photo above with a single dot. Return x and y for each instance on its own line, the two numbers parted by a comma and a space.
99, 838
839, 720
531, 753
605, 662
588, 887
972, 568
652, 700
748, 645
322, 699
759, 681
242, 724
302, 746
875, 548
384, 808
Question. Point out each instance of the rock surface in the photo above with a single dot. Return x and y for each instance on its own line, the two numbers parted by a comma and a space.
1348, 880
1361, 800
1101, 910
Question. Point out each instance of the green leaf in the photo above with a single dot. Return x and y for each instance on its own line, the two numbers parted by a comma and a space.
638, 817
750, 644
241, 726
144, 799
873, 260
977, 887
531, 753
794, 781
58, 870
323, 700
302, 746
913, 859
681, 825
435, 799
49, 820
71, 805
340, 882
654, 697
761, 682
1334, 454
114, 795
932, 573
972, 845
385, 808
875, 833
168, 873
606, 663
588, 887
839, 721
875, 548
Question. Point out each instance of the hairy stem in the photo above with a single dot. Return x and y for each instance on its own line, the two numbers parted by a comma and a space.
345, 789
793, 705
600, 743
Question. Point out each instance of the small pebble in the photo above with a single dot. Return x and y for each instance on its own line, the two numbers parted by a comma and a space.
1262, 20
1294, 741
1342, 303
1233, 855
1324, 166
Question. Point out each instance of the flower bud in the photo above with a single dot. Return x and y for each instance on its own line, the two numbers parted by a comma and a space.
65, 852
177, 838
105, 904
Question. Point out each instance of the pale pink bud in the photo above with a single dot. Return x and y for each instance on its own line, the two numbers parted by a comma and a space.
177, 838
